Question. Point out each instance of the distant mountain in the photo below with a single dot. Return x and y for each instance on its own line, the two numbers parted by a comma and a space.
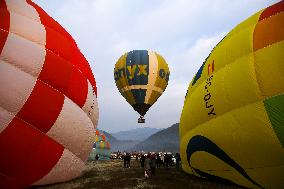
119, 145
164, 140
139, 134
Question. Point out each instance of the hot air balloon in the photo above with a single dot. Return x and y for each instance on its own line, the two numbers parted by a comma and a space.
48, 103
103, 150
141, 76
101, 147
232, 123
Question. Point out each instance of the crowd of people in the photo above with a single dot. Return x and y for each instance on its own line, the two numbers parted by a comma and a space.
150, 161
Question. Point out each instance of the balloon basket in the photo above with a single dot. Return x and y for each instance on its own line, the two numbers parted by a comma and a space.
141, 120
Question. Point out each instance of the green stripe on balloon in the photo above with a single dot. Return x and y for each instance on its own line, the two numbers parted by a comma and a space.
275, 110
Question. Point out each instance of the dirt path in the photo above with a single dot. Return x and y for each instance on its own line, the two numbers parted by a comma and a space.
111, 174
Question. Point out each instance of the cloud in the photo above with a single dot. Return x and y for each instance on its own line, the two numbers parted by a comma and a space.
188, 61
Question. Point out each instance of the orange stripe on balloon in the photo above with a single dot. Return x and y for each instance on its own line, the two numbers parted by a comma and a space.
272, 10
103, 137
108, 145
97, 132
268, 31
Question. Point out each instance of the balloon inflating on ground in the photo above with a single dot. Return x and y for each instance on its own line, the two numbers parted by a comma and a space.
231, 127
48, 99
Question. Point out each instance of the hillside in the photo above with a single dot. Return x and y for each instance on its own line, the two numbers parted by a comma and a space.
119, 145
135, 134
164, 140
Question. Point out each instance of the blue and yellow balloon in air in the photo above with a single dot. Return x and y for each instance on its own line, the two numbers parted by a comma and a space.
141, 77
232, 123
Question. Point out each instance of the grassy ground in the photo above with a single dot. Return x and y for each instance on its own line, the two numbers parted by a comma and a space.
111, 174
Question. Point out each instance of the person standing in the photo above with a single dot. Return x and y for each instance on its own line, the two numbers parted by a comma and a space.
166, 159
124, 159
128, 158
159, 161
178, 159
142, 160
163, 159
147, 166
153, 164
97, 157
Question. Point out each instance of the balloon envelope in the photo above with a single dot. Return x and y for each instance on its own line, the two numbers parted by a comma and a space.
101, 147
232, 125
49, 111
141, 77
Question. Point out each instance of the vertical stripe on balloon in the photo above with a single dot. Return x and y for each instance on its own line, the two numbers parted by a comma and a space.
91, 105
152, 76
137, 65
4, 24
103, 137
64, 45
275, 110
78, 87
42, 107
22, 8
16, 87
269, 31
139, 95
81, 63
272, 10
35, 31
56, 72
24, 54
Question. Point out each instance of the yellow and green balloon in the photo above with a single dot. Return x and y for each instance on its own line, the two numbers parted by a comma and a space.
141, 76
232, 123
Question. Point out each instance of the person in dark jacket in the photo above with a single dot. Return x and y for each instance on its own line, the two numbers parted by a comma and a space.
147, 166
142, 160
178, 159
128, 158
159, 161
167, 160
153, 163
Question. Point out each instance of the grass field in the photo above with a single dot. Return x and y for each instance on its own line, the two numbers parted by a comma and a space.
111, 174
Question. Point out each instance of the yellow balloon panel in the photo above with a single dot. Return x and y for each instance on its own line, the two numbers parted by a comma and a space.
164, 71
121, 82
154, 96
232, 123
246, 126
228, 50
233, 86
271, 80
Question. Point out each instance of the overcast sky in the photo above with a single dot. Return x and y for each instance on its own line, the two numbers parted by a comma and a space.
183, 32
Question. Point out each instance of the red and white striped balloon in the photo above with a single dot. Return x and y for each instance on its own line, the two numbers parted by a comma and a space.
48, 104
